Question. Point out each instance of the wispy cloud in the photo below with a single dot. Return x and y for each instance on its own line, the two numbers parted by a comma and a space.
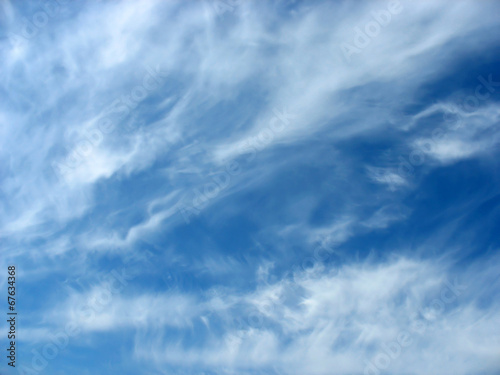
291, 184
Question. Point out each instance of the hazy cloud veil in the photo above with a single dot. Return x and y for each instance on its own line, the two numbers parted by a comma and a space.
251, 187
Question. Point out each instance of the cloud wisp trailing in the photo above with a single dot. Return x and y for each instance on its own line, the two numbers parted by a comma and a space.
237, 187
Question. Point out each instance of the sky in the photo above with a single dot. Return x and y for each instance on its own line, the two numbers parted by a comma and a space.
251, 187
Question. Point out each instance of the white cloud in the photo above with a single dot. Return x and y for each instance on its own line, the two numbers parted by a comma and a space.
334, 322
462, 134
100, 63
223, 80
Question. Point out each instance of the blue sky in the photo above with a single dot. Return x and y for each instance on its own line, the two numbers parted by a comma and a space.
237, 187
